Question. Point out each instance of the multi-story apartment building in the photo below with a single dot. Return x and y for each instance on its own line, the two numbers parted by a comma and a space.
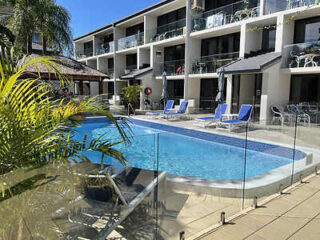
270, 50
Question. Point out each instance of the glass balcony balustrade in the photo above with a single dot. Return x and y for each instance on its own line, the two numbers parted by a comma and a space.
172, 68
210, 64
80, 56
131, 41
128, 69
110, 72
105, 48
231, 13
303, 55
272, 6
167, 31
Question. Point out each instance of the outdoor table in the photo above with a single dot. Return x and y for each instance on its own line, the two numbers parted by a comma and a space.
201, 66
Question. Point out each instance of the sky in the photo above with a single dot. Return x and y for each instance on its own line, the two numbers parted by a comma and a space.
88, 15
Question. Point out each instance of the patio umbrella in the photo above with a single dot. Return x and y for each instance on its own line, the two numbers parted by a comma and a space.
220, 95
164, 94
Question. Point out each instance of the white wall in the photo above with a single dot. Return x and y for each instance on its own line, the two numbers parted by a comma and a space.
143, 57
246, 89
194, 91
275, 90
285, 33
148, 80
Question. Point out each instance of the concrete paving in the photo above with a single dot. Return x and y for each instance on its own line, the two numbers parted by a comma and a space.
293, 215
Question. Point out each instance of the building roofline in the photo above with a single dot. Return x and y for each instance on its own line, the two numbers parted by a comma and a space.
147, 9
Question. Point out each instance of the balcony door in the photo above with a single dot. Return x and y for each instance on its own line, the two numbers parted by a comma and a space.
176, 90
307, 30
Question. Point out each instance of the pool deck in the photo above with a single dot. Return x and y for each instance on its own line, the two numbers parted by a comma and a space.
294, 215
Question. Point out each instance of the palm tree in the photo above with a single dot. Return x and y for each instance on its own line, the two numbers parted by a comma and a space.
34, 129
44, 17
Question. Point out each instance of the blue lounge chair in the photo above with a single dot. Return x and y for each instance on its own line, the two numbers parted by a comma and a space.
206, 121
242, 120
182, 111
167, 109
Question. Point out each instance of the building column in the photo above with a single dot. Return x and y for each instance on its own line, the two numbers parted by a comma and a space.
229, 92
187, 48
284, 33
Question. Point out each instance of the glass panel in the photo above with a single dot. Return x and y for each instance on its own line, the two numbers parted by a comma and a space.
131, 41
200, 186
171, 68
235, 12
272, 6
210, 64
105, 48
270, 153
303, 55
167, 31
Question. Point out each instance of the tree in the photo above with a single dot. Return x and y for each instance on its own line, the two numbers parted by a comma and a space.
34, 129
44, 17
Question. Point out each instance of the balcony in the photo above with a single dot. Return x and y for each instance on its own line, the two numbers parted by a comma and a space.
210, 64
303, 55
110, 72
80, 56
128, 69
224, 15
172, 68
105, 48
131, 41
167, 31
272, 6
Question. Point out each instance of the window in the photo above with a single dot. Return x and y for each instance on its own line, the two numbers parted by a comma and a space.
172, 17
174, 53
219, 45
108, 38
88, 48
176, 90
36, 38
307, 30
213, 4
110, 63
305, 88
268, 39
135, 29
131, 60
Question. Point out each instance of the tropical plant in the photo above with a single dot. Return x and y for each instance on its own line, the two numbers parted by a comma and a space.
34, 129
131, 95
6, 37
44, 17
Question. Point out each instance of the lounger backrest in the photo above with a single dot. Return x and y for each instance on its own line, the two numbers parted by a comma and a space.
168, 106
221, 109
245, 113
183, 107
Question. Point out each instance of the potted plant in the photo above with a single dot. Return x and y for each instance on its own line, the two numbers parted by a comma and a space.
131, 96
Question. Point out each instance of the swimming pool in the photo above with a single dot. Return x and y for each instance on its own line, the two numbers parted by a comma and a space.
189, 153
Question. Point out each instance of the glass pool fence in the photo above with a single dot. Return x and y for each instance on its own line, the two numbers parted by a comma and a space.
177, 182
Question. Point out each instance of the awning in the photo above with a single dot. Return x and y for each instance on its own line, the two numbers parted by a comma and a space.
136, 73
253, 64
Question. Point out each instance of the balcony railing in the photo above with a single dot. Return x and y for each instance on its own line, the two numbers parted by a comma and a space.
131, 41
167, 31
80, 56
105, 48
110, 72
210, 64
235, 12
303, 55
128, 69
172, 68
272, 6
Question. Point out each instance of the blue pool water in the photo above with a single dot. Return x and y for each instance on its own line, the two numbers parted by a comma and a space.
188, 152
